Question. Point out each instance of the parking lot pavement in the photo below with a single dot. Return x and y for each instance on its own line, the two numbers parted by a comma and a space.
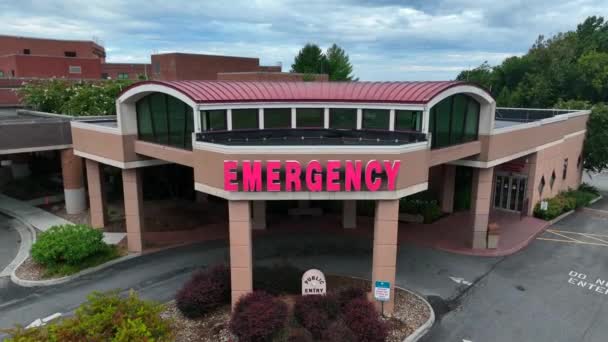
555, 290
9, 241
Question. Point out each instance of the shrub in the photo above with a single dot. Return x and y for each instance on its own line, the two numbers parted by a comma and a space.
581, 198
67, 244
205, 291
555, 208
316, 312
347, 294
278, 279
361, 318
589, 188
104, 317
338, 332
77, 98
421, 204
258, 317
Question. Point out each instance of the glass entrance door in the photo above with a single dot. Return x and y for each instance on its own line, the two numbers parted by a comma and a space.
510, 191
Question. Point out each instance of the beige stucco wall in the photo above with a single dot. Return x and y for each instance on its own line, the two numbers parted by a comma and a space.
115, 147
504, 144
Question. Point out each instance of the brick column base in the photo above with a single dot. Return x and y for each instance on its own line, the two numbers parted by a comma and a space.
73, 183
131, 183
97, 201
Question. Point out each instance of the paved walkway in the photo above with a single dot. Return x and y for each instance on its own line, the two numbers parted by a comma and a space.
453, 233
9, 241
41, 219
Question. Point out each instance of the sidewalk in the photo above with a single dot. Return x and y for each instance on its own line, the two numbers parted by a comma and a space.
42, 220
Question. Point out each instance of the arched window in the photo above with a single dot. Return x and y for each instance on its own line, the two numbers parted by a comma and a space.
165, 120
454, 120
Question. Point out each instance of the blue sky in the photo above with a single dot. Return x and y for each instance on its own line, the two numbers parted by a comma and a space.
386, 39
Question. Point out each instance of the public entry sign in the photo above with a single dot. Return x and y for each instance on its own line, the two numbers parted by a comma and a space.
382, 291
293, 176
313, 283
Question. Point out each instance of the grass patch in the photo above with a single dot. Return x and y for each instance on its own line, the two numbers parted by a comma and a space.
63, 270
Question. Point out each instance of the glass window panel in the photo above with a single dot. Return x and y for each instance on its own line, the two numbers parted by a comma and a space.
245, 118
144, 120
344, 118
376, 119
458, 116
408, 120
497, 188
277, 117
309, 117
471, 126
442, 123
216, 119
177, 122
158, 106
432, 119
189, 126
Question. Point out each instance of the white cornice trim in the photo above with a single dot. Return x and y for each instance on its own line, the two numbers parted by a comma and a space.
305, 195
119, 164
35, 149
495, 162
304, 104
311, 149
96, 128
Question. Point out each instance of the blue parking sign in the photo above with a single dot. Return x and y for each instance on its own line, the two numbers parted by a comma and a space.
382, 291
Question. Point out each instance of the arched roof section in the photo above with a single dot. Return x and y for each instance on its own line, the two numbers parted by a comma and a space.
213, 92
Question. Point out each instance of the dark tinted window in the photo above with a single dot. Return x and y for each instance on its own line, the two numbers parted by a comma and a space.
277, 118
309, 117
345, 118
165, 120
245, 118
376, 119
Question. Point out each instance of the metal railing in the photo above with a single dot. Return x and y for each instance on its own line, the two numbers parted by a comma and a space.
527, 114
311, 136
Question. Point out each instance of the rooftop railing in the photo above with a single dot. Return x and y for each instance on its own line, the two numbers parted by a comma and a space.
527, 114
310, 136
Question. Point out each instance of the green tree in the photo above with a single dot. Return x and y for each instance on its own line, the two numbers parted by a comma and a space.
338, 64
595, 153
310, 60
481, 75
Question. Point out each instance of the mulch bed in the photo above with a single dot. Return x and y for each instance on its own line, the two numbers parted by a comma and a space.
409, 314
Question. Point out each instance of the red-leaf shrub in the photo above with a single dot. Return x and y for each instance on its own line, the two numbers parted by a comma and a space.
347, 294
338, 332
205, 291
258, 317
316, 312
362, 318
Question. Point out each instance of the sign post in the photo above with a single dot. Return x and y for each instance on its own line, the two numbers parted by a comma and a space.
382, 293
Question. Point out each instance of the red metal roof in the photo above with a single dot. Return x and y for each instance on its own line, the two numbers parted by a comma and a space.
262, 91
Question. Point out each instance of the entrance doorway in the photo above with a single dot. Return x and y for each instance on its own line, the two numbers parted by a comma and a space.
510, 191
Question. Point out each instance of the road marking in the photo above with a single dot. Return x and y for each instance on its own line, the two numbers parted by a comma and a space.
575, 242
461, 281
578, 233
564, 236
595, 238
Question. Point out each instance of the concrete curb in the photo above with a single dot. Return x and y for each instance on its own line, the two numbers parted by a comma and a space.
56, 281
599, 197
424, 328
28, 237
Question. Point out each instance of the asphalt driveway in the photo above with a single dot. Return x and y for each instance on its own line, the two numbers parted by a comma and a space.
552, 291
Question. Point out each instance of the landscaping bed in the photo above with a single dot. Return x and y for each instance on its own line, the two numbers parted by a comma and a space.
566, 201
65, 250
410, 313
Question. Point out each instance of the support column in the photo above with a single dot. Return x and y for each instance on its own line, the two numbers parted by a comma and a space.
259, 215
97, 200
384, 262
481, 201
73, 183
131, 183
241, 273
349, 214
447, 188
